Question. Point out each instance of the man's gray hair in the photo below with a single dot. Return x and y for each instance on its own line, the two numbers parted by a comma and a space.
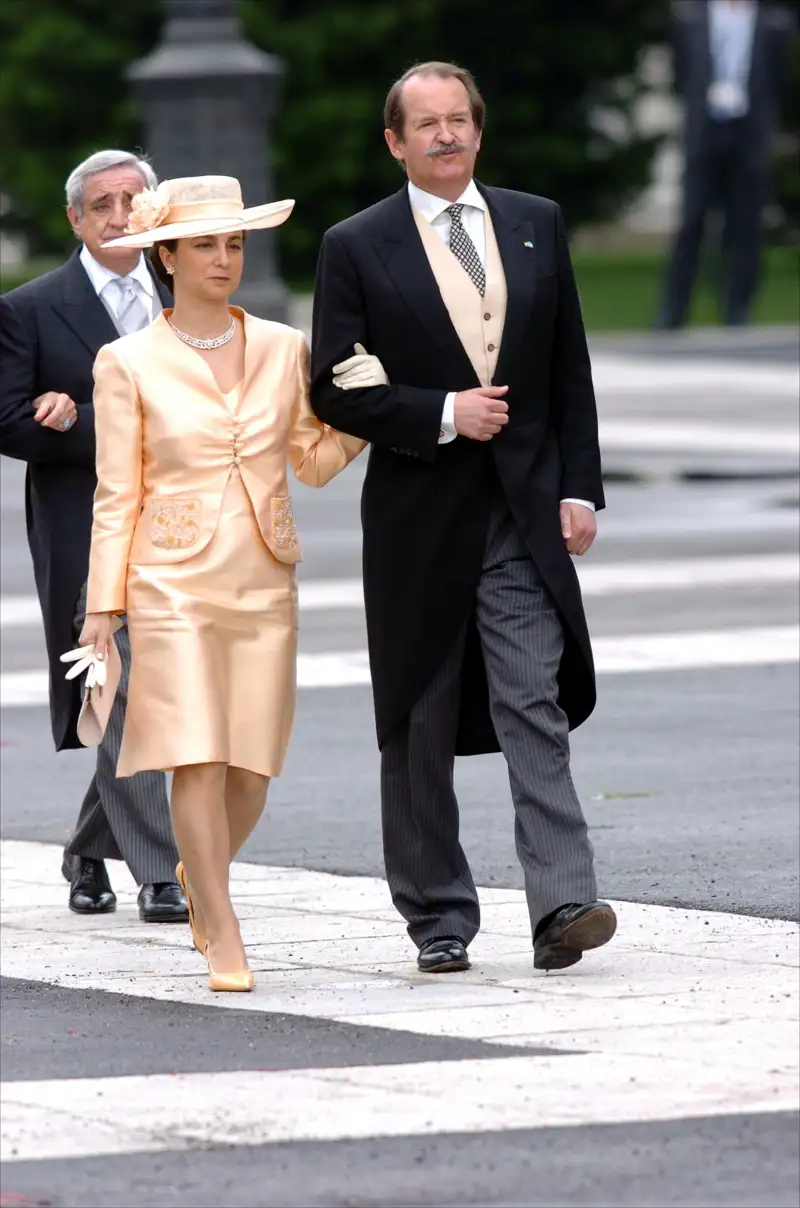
101, 161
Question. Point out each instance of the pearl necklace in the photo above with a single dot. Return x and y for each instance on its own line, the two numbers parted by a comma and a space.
217, 342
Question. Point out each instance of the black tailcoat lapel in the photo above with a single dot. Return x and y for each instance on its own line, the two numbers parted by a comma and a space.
82, 310
520, 263
404, 259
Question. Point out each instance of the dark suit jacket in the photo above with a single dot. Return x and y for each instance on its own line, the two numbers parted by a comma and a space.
425, 506
50, 331
769, 74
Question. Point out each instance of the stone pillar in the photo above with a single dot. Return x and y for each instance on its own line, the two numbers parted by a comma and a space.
207, 99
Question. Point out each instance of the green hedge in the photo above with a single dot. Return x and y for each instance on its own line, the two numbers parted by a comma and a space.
620, 292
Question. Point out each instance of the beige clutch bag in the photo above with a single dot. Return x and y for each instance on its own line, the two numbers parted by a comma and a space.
98, 698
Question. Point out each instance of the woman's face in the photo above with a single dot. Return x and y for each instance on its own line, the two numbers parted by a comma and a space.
207, 267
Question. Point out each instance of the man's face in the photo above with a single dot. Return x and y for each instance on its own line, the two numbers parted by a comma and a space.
106, 205
440, 143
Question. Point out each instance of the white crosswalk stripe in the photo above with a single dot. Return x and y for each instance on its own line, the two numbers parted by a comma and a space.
599, 579
684, 1014
639, 652
645, 652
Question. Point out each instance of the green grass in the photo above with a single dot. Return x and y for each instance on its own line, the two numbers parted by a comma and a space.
621, 292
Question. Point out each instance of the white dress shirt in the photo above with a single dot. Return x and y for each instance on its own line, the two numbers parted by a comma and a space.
731, 29
108, 293
434, 210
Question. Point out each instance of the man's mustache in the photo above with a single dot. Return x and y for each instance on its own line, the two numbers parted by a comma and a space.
434, 151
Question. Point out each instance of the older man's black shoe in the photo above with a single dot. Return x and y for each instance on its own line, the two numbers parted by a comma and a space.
448, 955
90, 890
563, 937
162, 902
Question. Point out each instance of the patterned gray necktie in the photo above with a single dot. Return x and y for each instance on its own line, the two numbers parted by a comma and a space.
132, 313
464, 249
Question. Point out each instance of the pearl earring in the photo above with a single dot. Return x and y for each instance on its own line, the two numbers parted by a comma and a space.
170, 269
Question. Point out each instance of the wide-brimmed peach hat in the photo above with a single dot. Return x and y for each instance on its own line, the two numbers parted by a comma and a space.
196, 205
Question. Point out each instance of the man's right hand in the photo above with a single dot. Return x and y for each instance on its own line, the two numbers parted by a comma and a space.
481, 413
54, 410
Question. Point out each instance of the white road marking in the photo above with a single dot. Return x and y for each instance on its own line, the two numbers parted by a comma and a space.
689, 437
646, 376
597, 579
685, 1014
94, 1117
613, 655
643, 652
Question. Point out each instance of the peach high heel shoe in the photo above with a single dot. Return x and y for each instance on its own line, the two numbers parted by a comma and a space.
198, 939
231, 983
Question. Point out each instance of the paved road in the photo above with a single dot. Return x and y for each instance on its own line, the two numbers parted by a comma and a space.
689, 774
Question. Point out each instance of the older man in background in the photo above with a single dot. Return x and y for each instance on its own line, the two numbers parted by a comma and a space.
50, 332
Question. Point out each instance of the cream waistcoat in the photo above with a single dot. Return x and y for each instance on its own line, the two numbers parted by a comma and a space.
478, 320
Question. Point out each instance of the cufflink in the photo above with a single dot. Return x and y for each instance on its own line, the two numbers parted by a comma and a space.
527, 243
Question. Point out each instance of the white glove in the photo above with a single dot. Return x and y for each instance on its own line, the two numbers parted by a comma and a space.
359, 371
84, 660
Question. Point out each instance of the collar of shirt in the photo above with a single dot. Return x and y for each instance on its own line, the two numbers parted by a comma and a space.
432, 207
100, 276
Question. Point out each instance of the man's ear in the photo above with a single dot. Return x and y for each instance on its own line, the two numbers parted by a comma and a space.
394, 144
74, 221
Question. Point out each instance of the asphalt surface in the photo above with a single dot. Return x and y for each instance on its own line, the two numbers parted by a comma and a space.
689, 780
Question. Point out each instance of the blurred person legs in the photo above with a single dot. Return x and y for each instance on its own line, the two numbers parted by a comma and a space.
729, 179
123, 819
742, 205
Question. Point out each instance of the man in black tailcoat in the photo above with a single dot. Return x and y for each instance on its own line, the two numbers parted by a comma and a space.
483, 478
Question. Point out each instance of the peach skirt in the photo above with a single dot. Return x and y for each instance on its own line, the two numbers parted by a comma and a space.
214, 652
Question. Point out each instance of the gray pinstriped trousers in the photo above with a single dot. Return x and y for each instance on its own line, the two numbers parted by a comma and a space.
522, 640
124, 819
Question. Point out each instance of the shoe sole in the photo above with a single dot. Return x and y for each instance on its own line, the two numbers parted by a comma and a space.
591, 931
93, 909
164, 918
447, 967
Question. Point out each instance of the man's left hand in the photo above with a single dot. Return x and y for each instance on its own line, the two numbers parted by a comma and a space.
55, 410
578, 527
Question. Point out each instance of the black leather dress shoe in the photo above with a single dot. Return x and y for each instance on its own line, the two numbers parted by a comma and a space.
90, 890
162, 902
563, 937
448, 955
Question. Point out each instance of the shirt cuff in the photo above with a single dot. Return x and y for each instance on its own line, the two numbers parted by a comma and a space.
587, 503
447, 432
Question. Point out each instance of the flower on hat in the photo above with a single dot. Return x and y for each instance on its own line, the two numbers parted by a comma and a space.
148, 209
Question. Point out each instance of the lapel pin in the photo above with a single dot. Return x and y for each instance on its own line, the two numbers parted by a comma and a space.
528, 243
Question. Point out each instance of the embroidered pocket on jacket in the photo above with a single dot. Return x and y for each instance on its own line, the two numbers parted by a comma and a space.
283, 526
174, 523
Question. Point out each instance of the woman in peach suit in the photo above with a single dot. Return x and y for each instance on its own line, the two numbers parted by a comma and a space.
194, 537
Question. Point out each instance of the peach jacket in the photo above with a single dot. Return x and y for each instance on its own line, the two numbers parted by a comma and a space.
167, 441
